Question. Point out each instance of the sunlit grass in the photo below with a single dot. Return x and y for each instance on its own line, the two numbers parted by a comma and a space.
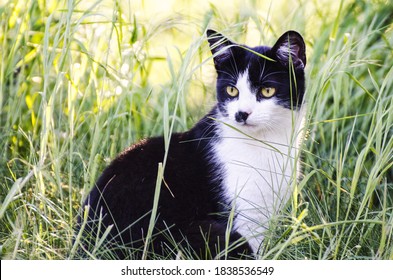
80, 81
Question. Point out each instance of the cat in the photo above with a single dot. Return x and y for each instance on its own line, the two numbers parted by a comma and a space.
224, 178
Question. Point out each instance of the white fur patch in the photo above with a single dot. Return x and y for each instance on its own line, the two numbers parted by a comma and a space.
260, 162
246, 102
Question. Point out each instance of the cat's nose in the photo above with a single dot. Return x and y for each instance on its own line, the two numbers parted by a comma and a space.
241, 116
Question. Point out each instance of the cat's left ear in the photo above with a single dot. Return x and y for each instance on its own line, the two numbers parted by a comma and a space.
290, 46
219, 46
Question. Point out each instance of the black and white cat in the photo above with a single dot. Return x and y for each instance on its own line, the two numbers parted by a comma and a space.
225, 178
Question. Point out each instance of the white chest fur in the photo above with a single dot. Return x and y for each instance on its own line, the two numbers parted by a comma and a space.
257, 176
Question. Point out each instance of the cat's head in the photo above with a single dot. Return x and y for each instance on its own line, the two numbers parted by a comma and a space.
257, 86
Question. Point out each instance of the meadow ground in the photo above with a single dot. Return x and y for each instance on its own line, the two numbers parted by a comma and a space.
82, 80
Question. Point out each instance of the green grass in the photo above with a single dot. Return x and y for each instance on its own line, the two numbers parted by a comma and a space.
82, 80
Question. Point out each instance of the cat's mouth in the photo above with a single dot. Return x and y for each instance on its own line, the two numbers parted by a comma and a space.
246, 124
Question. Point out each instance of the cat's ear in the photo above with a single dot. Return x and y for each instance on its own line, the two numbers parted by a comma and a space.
219, 46
290, 46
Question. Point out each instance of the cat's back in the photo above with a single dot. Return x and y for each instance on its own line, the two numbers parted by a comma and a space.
127, 186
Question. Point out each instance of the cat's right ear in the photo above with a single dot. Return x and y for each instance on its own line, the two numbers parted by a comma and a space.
219, 46
290, 47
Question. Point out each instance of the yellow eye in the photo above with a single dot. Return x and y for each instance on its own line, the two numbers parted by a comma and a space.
232, 91
268, 91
